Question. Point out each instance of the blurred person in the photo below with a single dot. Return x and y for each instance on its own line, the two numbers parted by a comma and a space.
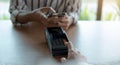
24, 11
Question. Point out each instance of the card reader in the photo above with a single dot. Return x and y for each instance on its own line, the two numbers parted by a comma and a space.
55, 37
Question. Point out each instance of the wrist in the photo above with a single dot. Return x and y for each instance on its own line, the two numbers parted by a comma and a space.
23, 17
37, 16
71, 20
74, 21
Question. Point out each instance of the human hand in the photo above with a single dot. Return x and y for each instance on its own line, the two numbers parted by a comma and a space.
47, 9
40, 14
53, 19
73, 53
65, 21
62, 20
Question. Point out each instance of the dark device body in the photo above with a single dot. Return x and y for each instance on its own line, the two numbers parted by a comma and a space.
55, 37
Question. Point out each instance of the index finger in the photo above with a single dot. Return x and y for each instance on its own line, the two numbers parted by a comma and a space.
52, 10
69, 45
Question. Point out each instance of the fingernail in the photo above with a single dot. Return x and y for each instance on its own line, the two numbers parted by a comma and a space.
63, 59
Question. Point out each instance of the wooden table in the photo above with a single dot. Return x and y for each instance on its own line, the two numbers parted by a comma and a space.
98, 41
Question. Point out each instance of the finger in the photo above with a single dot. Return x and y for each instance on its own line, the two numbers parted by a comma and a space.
63, 25
53, 20
64, 17
70, 55
69, 45
47, 9
44, 9
63, 59
76, 51
52, 10
43, 19
64, 22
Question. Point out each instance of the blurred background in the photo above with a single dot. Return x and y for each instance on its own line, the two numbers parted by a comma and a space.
110, 10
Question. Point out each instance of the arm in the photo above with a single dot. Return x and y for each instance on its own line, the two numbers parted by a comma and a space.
20, 14
73, 54
18, 8
73, 12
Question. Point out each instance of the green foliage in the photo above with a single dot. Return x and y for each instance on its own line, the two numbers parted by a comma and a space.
109, 16
85, 14
4, 17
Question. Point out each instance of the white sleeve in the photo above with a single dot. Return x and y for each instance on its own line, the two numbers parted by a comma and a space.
73, 9
16, 6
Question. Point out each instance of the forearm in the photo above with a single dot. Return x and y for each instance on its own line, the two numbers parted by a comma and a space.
36, 15
24, 17
32, 16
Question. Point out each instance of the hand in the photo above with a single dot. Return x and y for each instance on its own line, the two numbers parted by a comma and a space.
47, 9
53, 20
65, 21
37, 15
73, 53
40, 14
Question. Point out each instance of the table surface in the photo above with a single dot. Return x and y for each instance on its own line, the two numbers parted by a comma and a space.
98, 41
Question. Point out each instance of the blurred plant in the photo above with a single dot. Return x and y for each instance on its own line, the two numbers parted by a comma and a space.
110, 16
4, 17
118, 8
85, 14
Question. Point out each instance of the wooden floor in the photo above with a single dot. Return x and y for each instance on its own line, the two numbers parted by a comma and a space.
99, 42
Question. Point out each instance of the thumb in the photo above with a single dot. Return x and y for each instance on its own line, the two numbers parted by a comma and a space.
69, 45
